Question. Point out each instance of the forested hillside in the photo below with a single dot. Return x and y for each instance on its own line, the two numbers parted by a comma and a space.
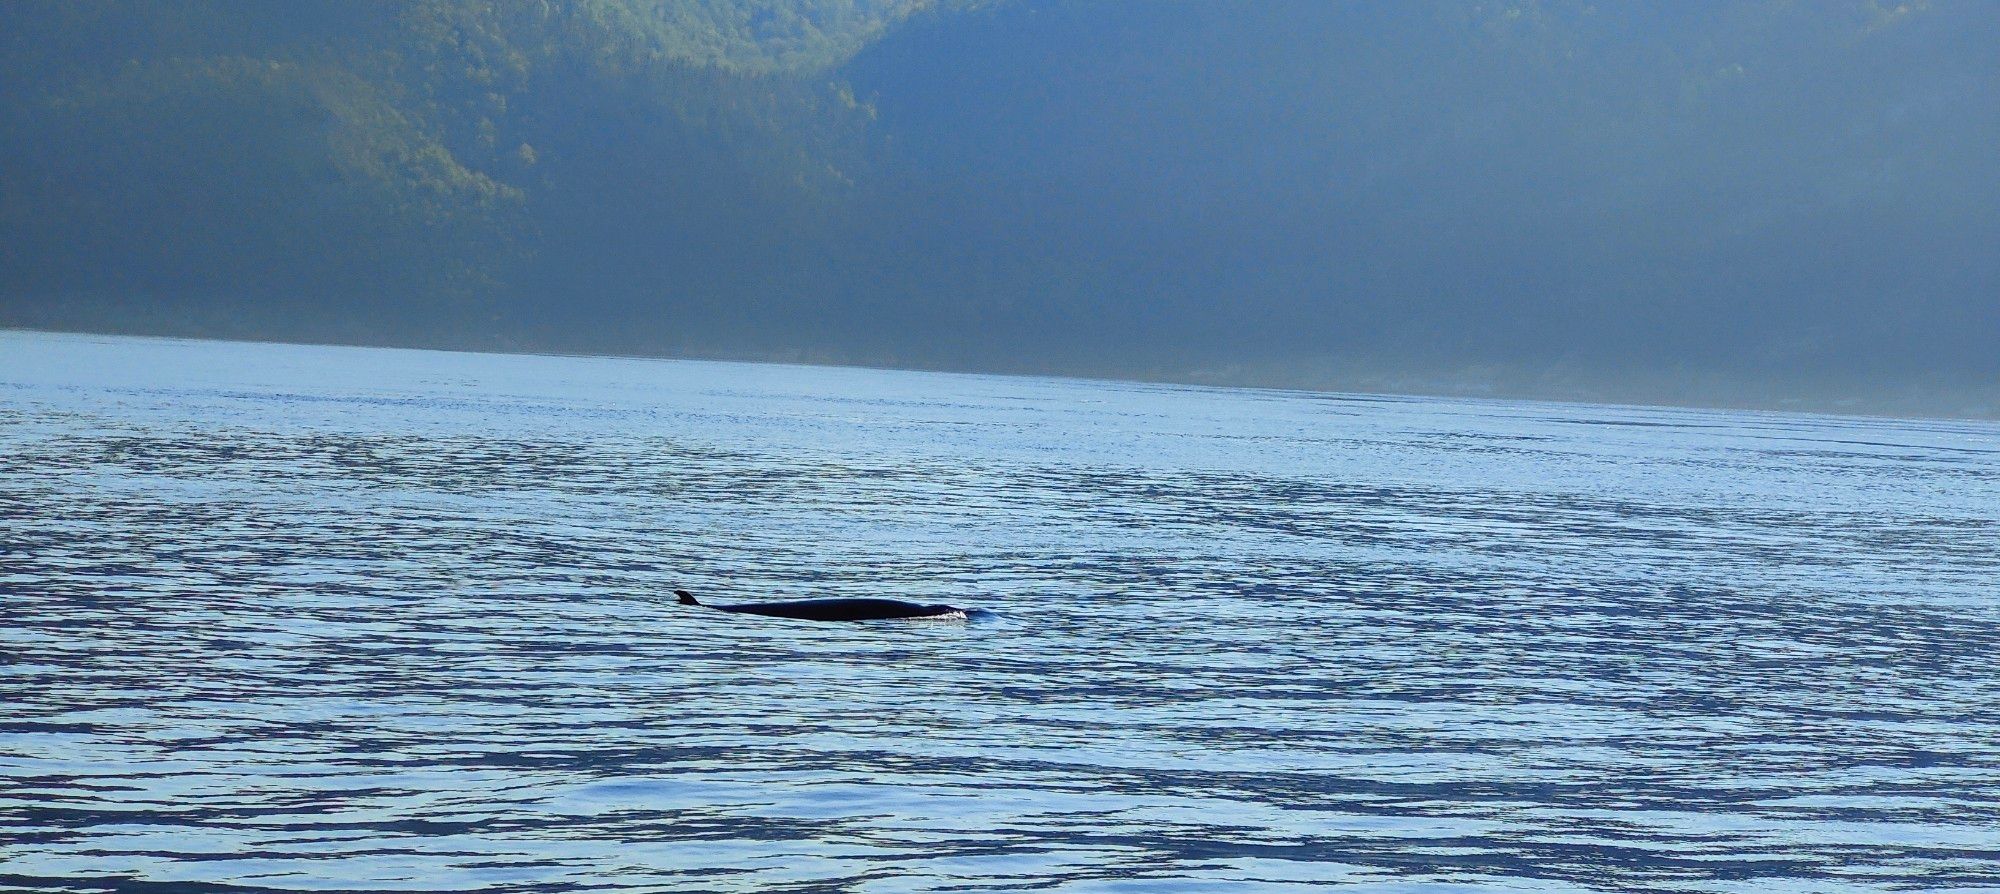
407, 172
1734, 202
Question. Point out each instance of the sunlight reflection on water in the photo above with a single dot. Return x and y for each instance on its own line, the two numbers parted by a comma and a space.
308, 618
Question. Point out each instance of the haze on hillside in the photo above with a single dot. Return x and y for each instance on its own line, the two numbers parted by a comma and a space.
1762, 202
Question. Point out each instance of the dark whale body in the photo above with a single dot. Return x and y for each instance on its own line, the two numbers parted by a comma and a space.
834, 609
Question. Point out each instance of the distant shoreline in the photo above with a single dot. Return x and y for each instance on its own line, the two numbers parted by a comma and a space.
1987, 410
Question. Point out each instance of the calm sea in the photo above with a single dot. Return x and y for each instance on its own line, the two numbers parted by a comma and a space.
310, 618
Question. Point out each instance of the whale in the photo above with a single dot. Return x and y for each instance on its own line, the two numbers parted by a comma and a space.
836, 609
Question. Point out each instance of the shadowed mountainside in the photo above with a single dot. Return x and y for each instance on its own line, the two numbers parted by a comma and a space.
1747, 203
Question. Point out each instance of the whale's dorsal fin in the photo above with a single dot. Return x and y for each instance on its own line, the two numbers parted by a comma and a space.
687, 598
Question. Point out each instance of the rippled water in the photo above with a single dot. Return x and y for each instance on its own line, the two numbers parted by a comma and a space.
329, 618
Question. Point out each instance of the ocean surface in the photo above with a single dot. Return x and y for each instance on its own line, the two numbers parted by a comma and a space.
312, 618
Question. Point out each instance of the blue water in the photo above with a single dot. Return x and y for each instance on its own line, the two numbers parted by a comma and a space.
308, 618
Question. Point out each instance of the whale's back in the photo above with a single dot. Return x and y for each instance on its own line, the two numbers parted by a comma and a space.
847, 610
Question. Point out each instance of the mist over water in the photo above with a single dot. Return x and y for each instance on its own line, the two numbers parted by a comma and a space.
296, 618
